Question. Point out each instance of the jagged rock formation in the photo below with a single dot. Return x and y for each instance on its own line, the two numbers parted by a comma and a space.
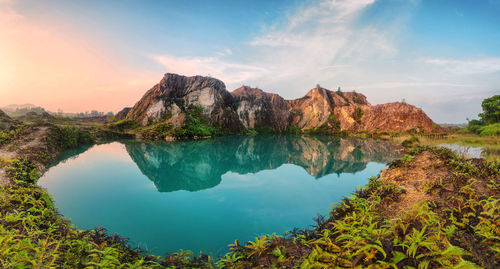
173, 96
257, 108
197, 165
252, 108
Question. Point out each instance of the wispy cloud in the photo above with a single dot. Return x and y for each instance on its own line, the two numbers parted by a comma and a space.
467, 67
313, 42
229, 72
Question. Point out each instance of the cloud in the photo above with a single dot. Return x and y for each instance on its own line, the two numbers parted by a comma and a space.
466, 67
229, 72
313, 42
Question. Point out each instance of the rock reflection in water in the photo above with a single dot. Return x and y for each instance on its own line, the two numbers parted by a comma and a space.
198, 165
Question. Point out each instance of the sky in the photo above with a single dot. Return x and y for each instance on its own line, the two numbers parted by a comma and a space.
440, 55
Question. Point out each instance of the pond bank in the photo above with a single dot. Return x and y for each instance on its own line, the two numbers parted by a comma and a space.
430, 207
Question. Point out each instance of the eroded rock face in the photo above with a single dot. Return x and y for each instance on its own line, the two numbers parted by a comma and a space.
175, 94
257, 108
396, 117
321, 106
253, 108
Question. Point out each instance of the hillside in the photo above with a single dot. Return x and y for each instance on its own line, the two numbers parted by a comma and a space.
5, 121
172, 99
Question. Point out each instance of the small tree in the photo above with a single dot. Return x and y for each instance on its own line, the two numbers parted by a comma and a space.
491, 110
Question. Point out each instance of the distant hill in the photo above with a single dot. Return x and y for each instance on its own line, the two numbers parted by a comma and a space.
20, 111
5, 121
15, 110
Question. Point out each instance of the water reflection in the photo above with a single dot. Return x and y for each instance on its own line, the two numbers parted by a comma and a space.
234, 187
198, 165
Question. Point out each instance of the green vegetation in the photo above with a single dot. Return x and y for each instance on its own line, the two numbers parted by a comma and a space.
357, 100
358, 113
459, 229
412, 141
195, 125
489, 122
264, 129
491, 110
63, 137
123, 125
22, 171
490, 130
456, 228
33, 235
157, 131
292, 129
341, 94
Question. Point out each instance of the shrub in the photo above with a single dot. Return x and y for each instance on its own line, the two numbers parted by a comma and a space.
22, 171
292, 129
358, 113
357, 100
341, 94
67, 137
195, 125
490, 130
124, 124
412, 141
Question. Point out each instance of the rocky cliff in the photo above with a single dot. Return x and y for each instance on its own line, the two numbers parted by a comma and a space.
169, 100
251, 108
256, 108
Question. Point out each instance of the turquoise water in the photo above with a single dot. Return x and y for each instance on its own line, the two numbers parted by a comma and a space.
202, 195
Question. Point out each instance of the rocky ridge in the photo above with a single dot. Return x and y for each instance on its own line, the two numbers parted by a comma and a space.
252, 108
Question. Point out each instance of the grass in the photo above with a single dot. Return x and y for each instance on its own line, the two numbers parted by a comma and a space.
490, 144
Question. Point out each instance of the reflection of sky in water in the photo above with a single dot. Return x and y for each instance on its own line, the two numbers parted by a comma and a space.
467, 151
104, 187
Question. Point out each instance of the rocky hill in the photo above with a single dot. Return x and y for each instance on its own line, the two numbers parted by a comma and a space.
249, 108
170, 99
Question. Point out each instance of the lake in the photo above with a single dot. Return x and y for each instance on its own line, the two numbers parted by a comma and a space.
202, 195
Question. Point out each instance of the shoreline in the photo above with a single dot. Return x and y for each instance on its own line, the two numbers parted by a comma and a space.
294, 249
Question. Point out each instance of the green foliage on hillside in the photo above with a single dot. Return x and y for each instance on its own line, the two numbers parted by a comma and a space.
22, 171
358, 113
13, 133
124, 125
64, 137
195, 125
357, 100
341, 94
